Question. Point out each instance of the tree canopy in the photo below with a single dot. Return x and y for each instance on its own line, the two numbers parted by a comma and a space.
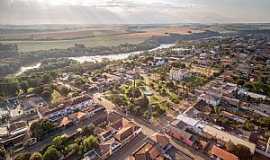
51, 154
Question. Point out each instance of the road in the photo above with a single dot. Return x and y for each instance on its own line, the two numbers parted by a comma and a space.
147, 130
65, 131
129, 148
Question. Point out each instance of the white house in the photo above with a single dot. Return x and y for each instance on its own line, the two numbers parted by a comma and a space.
210, 99
178, 74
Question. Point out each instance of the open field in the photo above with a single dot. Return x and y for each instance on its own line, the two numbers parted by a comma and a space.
25, 46
89, 36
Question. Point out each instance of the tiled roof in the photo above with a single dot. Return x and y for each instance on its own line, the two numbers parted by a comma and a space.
161, 139
154, 152
223, 154
65, 121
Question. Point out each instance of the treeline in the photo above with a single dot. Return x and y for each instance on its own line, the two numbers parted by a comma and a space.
172, 38
10, 87
12, 64
8, 50
39, 81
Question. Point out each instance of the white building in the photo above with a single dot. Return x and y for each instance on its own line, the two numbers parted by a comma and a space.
178, 74
158, 61
210, 99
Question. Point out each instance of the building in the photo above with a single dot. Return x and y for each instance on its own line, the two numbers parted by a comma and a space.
188, 120
158, 147
218, 153
225, 137
180, 135
256, 96
158, 61
178, 74
210, 99
125, 130
107, 148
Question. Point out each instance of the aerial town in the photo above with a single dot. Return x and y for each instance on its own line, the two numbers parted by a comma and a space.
198, 99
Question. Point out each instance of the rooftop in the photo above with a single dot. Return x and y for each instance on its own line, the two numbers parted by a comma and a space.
188, 120
223, 154
226, 137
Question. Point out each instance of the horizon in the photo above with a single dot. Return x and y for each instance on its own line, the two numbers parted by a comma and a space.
32, 12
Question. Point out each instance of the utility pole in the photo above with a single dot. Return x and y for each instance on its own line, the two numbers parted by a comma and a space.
268, 146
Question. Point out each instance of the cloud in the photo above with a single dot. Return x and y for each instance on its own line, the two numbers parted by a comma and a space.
132, 11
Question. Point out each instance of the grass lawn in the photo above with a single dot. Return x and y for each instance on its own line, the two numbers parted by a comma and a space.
204, 71
56, 97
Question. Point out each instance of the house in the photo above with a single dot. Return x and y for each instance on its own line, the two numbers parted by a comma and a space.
161, 139
263, 108
18, 128
125, 133
91, 155
233, 117
212, 132
178, 74
243, 92
78, 116
65, 122
125, 130
157, 147
180, 135
210, 99
229, 88
158, 61
188, 120
14, 134
148, 151
3, 132
217, 153
107, 148
106, 135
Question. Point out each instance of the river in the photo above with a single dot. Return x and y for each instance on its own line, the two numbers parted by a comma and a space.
97, 58
26, 68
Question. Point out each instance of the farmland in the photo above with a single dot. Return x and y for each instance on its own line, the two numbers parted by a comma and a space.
89, 36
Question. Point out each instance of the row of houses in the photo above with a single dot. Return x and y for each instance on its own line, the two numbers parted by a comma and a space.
158, 147
120, 131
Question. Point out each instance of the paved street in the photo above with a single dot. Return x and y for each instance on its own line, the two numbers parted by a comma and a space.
129, 148
147, 130
68, 131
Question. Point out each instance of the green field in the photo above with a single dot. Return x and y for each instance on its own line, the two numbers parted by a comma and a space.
35, 39
110, 40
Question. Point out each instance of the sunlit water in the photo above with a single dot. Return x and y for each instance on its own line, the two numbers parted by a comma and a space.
97, 58
26, 68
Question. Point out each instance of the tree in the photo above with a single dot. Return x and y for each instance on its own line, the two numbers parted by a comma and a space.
73, 148
60, 142
89, 143
241, 151
230, 146
24, 86
36, 156
41, 128
2, 153
88, 130
51, 154
248, 126
264, 122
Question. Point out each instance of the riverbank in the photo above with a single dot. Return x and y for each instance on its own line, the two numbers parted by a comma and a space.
97, 58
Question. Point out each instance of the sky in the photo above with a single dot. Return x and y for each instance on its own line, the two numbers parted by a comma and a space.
27, 12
